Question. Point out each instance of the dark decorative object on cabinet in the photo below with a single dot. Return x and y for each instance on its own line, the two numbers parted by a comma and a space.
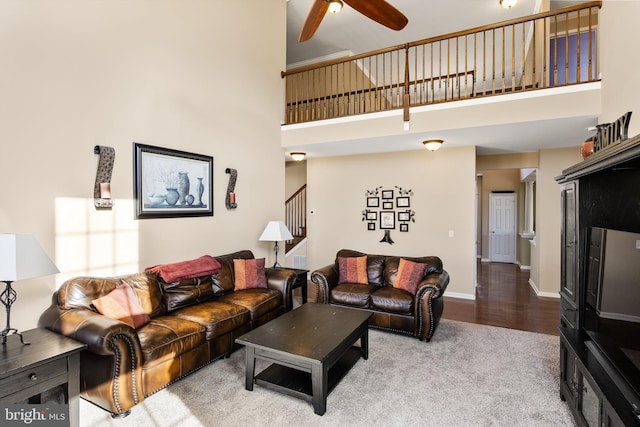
600, 192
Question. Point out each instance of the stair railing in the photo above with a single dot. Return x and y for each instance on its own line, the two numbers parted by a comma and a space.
296, 216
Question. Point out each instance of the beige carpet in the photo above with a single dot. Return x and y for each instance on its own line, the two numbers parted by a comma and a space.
468, 375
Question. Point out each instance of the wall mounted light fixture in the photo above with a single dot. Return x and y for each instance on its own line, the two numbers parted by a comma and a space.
432, 144
102, 187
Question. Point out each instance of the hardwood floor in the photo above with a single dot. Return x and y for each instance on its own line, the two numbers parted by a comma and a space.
504, 298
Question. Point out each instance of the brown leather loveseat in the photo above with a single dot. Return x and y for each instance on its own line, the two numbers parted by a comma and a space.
189, 325
415, 312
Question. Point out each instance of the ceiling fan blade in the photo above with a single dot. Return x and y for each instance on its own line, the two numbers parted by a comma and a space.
381, 12
314, 18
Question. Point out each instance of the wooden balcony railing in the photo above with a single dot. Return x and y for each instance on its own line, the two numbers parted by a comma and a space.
549, 49
296, 216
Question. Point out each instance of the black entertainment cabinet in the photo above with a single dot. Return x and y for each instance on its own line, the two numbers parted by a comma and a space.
602, 191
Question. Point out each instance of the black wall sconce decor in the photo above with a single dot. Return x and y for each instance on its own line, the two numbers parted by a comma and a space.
102, 187
230, 197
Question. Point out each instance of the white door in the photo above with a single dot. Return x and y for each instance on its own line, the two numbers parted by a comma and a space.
502, 227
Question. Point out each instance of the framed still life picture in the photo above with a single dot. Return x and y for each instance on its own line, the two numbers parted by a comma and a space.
170, 183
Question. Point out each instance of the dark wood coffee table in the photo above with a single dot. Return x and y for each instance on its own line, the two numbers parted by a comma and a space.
311, 348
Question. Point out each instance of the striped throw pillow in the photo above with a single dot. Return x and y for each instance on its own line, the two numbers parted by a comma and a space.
249, 273
353, 270
123, 305
410, 274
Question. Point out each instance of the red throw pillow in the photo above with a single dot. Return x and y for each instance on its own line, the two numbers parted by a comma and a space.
410, 274
353, 270
123, 305
249, 273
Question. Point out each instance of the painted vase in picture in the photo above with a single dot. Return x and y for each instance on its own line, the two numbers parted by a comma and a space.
200, 188
183, 186
172, 196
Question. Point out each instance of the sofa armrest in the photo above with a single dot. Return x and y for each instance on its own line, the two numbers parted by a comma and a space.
325, 279
436, 282
89, 327
111, 365
281, 279
429, 304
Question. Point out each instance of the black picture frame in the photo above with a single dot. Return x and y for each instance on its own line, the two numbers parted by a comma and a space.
371, 226
387, 194
404, 228
387, 205
372, 216
403, 202
387, 220
170, 183
373, 202
404, 216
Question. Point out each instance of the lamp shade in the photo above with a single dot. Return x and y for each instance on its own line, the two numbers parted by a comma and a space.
335, 6
275, 231
22, 257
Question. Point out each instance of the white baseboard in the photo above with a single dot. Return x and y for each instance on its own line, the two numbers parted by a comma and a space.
525, 267
459, 295
485, 260
543, 294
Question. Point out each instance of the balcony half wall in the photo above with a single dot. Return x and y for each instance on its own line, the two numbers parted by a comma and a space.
507, 123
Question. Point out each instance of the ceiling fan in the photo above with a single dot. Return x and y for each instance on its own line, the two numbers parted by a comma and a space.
377, 10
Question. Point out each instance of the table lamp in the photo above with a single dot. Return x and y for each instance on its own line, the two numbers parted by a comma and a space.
21, 257
275, 231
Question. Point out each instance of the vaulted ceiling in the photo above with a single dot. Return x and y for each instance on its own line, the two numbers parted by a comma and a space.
349, 32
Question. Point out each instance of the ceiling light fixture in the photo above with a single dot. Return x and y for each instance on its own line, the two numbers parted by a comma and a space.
298, 156
508, 4
335, 6
432, 144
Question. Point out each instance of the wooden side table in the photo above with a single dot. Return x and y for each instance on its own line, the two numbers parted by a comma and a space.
49, 361
300, 282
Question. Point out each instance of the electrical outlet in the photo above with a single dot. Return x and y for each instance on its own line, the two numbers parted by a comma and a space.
451, 233
637, 244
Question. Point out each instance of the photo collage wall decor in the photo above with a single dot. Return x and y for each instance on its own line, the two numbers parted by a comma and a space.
388, 209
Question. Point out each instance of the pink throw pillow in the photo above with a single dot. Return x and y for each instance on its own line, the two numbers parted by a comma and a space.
249, 273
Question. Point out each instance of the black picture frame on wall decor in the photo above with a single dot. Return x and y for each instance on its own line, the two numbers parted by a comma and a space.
403, 202
171, 183
387, 220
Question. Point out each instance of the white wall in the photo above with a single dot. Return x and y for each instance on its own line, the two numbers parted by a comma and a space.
545, 278
182, 75
443, 183
619, 62
295, 177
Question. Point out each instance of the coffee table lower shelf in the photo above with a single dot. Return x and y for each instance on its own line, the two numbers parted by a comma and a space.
297, 383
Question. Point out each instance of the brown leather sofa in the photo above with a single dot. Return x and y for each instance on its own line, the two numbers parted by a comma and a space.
190, 327
393, 309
